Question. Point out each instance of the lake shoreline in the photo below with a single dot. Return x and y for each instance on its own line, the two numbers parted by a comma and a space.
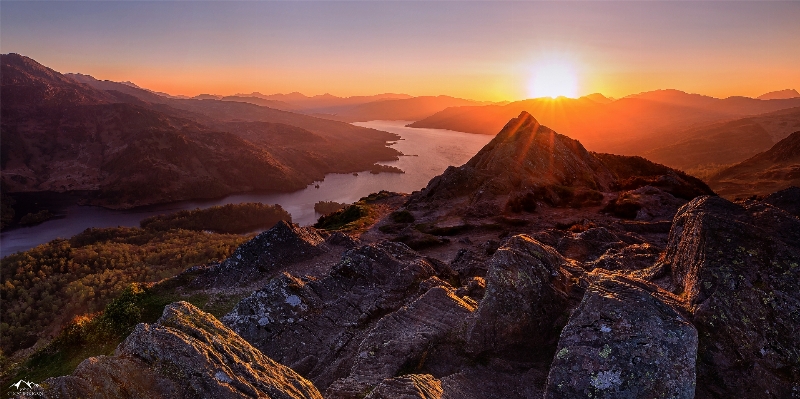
426, 154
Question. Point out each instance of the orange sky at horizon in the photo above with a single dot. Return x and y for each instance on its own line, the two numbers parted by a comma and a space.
481, 88
486, 51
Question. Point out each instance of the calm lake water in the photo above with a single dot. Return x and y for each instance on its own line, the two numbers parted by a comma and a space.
429, 152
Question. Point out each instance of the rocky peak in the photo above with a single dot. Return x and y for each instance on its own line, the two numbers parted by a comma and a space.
530, 154
528, 162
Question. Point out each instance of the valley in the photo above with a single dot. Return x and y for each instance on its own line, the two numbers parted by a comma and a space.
493, 281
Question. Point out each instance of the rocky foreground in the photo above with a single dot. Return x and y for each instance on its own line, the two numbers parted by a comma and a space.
536, 270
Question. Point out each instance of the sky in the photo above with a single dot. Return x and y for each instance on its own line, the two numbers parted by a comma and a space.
490, 50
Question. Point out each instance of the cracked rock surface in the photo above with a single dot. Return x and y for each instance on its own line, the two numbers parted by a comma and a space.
186, 354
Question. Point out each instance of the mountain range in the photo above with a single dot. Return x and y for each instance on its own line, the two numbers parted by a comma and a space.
118, 145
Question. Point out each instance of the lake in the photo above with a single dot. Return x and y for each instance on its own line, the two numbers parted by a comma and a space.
428, 153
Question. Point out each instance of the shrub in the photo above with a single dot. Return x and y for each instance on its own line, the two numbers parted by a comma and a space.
328, 207
403, 216
586, 198
340, 219
525, 202
36, 218
624, 209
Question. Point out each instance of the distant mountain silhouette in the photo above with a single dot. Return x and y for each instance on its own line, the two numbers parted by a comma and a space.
320, 102
780, 94
408, 109
206, 97
122, 146
772, 170
630, 125
599, 98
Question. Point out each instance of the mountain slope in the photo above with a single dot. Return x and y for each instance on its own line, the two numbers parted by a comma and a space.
129, 89
27, 84
127, 155
767, 172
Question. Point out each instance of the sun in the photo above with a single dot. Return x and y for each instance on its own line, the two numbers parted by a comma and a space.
553, 80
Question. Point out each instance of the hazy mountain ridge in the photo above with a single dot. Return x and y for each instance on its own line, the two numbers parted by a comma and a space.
779, 94
408, 109
346, 109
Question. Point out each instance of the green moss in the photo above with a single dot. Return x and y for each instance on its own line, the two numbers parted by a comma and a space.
605, 351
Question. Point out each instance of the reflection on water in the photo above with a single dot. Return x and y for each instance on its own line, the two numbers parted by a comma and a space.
431, 152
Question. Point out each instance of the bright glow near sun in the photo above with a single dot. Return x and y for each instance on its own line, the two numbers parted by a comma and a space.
553, 80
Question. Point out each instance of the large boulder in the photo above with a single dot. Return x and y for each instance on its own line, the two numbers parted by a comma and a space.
402, 340
787, 199
317, 327
626, 339
588, 245
631, 257
529, 290
411, 386
737, 269
186, 354
646, 203
487, 382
